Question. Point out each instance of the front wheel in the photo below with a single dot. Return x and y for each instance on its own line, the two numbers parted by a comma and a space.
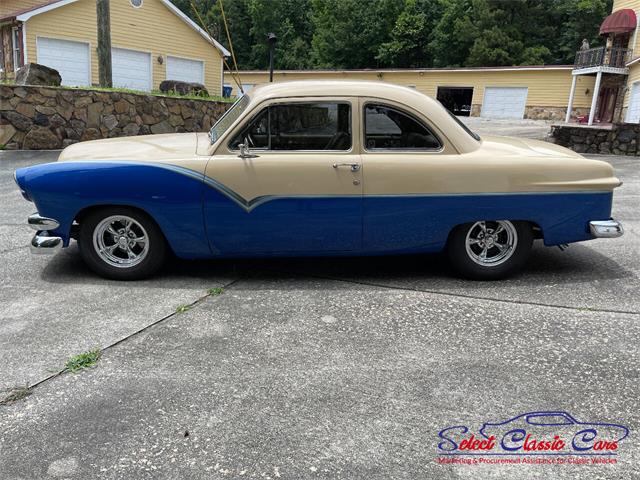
489, 249
121, 243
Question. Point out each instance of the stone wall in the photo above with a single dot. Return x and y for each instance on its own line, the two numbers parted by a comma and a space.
621, 139
540, 113
44, 118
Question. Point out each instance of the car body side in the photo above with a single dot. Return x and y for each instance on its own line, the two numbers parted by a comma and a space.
210, 203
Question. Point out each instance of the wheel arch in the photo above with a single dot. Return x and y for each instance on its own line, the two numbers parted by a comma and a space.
83, 212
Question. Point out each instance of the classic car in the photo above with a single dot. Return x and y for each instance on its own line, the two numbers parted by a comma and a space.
319, 169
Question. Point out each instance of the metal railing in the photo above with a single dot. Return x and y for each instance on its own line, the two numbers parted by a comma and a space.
602, 57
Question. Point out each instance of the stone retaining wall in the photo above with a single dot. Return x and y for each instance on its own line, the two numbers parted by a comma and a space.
44, 118
621, 139
540, 113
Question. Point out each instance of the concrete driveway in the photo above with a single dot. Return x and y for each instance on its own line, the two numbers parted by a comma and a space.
537, 129
305, 368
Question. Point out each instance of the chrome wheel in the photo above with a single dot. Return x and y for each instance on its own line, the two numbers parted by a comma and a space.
491, 243
120, 241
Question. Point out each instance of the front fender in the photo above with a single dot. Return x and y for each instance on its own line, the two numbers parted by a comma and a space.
171, 195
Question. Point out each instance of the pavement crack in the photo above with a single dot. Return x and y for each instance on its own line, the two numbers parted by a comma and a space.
196, 302
469, 296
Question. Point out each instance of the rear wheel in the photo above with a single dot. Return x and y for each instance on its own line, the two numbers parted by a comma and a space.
489, 249
121, 243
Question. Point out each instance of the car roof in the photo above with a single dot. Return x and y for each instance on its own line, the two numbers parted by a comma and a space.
410, 97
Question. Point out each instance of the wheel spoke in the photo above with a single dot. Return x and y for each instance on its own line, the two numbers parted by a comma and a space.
110, 248
111, 230
127, 225
474, 241
141, 239
499, 229
500, 246
483, 254
483, 226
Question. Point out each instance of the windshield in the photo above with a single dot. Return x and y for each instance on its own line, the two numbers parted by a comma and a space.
229, 117
473, 134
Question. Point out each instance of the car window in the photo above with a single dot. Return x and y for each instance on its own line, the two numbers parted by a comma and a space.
548, 420
228, 118
387, 128
299, 126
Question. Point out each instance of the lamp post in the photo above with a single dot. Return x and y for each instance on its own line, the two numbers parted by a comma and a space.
271, 39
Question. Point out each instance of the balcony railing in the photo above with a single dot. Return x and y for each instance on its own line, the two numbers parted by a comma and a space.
603, 57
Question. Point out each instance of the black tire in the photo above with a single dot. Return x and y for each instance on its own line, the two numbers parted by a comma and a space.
153, 257
463, 261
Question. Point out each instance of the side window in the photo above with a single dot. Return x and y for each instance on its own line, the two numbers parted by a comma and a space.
387, 128
256, 132
299, 126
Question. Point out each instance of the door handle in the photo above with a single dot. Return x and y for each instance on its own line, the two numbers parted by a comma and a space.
354, 166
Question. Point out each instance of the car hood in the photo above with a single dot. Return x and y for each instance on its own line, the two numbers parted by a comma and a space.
525, 146
140, 148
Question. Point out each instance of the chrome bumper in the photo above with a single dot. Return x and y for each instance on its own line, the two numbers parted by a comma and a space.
42, 242
44, 245
606, 228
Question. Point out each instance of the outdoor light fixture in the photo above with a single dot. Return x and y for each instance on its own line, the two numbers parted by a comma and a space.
160, 59
271, 40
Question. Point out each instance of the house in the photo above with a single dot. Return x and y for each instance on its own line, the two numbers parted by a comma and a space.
536, 92
151, 41
615, 67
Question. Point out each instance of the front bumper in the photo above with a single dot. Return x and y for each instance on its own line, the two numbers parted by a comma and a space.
42, 242
606, 228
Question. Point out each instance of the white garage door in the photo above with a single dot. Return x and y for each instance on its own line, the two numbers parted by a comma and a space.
185, 70
131, 69
504, 102
633, 112
70, 59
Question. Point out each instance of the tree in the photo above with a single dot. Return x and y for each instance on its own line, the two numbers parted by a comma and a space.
411, 35
348, 33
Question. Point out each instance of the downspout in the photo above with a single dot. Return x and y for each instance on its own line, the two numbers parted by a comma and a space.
23, 49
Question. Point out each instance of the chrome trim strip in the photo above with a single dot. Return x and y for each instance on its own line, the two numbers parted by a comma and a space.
38, 222
606, 228
42, 245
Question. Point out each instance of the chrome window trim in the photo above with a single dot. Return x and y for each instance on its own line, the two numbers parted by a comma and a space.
393, 150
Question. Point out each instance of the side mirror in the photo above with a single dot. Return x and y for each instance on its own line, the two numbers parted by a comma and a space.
244, 150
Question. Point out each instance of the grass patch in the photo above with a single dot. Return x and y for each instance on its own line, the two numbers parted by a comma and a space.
183, 308
83, 360
15, 394
215, 291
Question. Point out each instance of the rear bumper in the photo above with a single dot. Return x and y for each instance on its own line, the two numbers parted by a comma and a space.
606, 228
42, 242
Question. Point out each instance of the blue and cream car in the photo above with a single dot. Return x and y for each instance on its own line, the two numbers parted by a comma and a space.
319, 169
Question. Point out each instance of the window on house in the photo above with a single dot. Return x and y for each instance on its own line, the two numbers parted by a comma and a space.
17, 54
387, 128
299, 126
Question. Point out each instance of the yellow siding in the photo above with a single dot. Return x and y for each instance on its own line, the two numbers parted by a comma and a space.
151, 28
547, 87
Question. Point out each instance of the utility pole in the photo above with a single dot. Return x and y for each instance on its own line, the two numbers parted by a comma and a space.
104, 43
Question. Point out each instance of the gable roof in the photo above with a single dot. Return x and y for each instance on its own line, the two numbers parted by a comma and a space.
42, 7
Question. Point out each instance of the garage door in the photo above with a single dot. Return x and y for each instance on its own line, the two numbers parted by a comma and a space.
185, 70
504, 102
131, 69
70, 59
633, 112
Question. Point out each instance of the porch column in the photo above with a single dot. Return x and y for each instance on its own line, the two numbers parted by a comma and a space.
571, 95
594, 100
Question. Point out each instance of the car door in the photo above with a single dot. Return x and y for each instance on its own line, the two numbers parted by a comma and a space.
406, 165
300, 189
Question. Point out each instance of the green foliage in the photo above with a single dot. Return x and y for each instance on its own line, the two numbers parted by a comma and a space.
344, 34
83, 360
183, 308
215, 291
